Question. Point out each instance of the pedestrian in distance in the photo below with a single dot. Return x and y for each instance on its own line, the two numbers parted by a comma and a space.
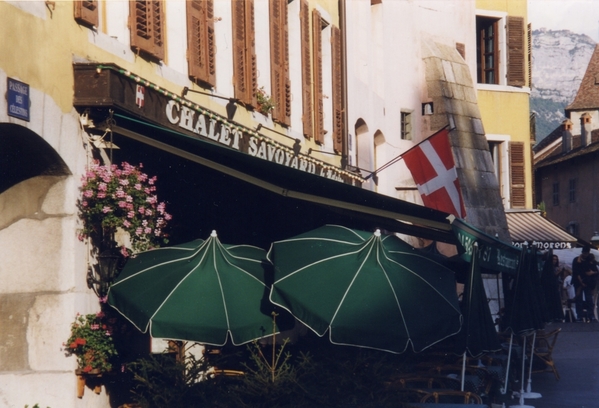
584, 274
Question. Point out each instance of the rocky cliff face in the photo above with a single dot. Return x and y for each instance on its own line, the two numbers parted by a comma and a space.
559, 61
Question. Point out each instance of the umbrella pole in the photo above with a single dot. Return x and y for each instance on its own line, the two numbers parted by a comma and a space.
463, 370
521, 401
529, 393
274, 329
507, 370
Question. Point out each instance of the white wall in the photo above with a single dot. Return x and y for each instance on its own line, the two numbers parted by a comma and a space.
386, 72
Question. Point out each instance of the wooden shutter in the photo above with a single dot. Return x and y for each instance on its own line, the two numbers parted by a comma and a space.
86, 12
518, 187
200, 41
306, 70
318, 96
146, 23
245, 70
279, 62
516, 73
337, 75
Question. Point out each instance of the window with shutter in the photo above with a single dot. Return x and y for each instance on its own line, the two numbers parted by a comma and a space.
338, 114
487, 48
279, 62
516, 75
318, 93
518, 191
200, 41
86, 12
306, 70
245, 70
146, 23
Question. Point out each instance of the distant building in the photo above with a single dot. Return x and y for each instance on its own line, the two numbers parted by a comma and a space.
567, 162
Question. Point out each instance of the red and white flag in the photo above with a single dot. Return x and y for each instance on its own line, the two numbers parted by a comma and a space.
433, 169
140, 92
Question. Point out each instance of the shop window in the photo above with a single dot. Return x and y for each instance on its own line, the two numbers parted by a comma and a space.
518, 187
201, 41
406, 125
245, 70
86, 12
279, 62
146, 23
317, 25
307, 113
572, 190
555, 194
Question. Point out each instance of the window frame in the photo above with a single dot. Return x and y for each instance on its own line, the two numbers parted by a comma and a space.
572, 190
404, 133
555, 193
86, 12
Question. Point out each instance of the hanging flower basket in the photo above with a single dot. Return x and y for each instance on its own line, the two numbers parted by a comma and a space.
121, 197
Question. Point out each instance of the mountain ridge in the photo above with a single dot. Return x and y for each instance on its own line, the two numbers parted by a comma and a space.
559, 61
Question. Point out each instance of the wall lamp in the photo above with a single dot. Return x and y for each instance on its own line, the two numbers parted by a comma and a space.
297, 147
231, 106
101, 275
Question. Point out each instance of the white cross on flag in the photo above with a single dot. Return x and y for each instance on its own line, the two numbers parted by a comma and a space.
139, 95
432, 167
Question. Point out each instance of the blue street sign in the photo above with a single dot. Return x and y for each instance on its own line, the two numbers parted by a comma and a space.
18, 99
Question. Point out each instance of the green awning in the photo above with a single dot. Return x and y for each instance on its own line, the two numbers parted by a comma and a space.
493, 255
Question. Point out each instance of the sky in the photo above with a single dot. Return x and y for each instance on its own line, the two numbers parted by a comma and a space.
578, 16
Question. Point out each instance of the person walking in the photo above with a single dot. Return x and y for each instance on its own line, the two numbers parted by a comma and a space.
570, 292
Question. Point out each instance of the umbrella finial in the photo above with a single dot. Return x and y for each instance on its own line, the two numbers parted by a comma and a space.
377, 233
213, 234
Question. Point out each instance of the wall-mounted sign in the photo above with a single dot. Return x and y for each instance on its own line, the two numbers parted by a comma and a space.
17, 96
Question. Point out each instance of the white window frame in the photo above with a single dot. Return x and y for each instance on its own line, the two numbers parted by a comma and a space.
503, 178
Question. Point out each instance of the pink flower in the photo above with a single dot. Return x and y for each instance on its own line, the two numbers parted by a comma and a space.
122, 204
147, 230
101, 194
129, 199
124, 182
137, 187
88, 193
138, 231
126, 224
130, 214
120, 193
148, 213
124, 251
106, 210
100, 314
102, 186
142, 210
84, 204
167, 216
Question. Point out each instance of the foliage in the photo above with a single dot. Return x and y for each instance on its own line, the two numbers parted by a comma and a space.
91, 341
313, 373
122, 197
165, 381
265, 102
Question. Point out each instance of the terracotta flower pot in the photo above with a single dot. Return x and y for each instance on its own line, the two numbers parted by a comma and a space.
80, 386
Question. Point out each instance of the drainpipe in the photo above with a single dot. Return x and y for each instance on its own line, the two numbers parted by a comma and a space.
343, 27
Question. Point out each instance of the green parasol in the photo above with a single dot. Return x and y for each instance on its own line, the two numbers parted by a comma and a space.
366, 289
199, 291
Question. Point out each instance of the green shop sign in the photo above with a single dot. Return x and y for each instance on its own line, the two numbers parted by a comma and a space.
493, 254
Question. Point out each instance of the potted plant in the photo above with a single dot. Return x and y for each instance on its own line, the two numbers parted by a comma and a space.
265, 103
91, 341
121, 197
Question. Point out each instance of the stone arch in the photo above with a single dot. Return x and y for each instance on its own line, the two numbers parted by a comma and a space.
24, 155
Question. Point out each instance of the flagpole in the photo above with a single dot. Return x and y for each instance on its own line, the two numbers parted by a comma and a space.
400, 156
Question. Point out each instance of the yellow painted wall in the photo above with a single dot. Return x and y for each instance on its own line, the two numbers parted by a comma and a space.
508, 113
